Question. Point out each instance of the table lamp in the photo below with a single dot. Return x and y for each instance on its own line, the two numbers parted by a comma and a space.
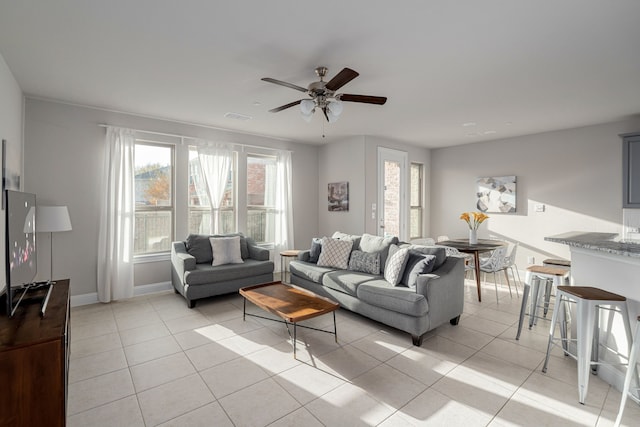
52, 219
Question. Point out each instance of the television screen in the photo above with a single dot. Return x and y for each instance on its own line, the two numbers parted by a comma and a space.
20, 238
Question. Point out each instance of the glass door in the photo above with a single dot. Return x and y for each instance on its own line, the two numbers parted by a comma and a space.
392, 182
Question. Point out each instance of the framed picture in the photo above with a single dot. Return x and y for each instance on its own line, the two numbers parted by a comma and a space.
496, 194
338, 196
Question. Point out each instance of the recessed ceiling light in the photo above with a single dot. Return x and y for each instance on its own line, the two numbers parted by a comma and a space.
238, 116
489, 132
469, 124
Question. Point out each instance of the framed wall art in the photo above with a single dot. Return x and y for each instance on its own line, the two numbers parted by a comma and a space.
496, 194
338, 196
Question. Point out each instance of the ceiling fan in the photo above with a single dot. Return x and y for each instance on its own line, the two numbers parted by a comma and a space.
323, 95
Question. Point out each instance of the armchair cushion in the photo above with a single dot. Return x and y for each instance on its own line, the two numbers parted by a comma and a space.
199, 246
226, 250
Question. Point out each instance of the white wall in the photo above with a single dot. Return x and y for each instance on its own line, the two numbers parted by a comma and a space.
11, 108
63, 164
575, 173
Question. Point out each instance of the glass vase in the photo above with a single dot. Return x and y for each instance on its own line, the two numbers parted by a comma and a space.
473, 237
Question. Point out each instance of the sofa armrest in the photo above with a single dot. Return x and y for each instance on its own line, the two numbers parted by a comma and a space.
258, 253
181, 261
444, 290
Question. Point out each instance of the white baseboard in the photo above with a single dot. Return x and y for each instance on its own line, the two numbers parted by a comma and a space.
92, 298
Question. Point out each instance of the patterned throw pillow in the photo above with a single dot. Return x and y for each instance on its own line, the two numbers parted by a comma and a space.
395, 264
365, 262
335, 253
417, 264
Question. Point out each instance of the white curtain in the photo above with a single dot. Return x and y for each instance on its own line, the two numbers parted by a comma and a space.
215, 161
115, 239
284, 206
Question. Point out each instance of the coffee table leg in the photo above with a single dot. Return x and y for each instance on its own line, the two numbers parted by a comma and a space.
294, 339
244, 308
335, 329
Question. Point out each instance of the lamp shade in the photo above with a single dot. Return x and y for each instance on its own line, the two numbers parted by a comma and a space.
307, 106
52, 219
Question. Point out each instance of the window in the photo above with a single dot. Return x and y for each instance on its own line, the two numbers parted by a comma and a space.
261, 200
416, 201
201, 216
153, 229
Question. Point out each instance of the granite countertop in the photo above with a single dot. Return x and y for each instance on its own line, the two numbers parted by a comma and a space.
603, 242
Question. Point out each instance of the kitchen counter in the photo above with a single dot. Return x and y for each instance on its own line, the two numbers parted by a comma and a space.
603, 261
602, 242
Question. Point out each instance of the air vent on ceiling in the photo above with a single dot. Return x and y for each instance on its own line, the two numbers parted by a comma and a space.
237, 116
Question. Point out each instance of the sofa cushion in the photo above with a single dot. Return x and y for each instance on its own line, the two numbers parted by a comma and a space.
395, 264
308, 271
417, 264
351, 237
199, 246
226, 250
335, 253
401, 299
346, 281
370, 243
365, 262
316, 248
206, 274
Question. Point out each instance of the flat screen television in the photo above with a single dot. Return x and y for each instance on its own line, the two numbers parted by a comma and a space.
20, 246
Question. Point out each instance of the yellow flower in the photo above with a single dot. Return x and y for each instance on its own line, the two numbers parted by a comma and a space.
478, 218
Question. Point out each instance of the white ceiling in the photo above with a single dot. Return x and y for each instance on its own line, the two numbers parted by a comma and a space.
513, 67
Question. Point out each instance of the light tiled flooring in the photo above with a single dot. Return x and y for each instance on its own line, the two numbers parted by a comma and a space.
152, 361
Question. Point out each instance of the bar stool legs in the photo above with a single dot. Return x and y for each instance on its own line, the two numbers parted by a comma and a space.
588, 302
631, 374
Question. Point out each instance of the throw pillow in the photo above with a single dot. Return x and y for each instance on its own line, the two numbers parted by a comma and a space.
417, 264
335, 253
226, 250
365, 262
371, 243
316, 248
395, 264
199, 246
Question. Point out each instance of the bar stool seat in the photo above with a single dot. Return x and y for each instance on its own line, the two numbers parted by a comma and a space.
589, 301
558, 262
632, 373
554, 276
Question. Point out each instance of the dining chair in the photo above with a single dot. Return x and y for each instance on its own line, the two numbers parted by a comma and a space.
510, 265
468, 258
495, 263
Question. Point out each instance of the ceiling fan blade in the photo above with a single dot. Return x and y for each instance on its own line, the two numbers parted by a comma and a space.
281, 83
284, 107
378, 100
341, 79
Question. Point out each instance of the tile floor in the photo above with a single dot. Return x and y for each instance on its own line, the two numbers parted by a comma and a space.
152, 361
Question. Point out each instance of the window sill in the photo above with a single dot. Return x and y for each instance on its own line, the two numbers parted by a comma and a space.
143, 259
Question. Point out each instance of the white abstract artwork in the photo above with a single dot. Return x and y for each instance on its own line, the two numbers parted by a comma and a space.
496, 194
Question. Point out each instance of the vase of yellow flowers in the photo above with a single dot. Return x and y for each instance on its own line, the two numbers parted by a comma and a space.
473, 219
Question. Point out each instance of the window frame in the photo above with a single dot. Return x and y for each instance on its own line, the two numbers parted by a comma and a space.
161, 254
420, 206
266, 210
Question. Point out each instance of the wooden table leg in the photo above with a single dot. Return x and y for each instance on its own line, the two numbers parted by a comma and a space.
476, 260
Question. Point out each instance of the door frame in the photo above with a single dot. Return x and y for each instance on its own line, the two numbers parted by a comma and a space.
402, 157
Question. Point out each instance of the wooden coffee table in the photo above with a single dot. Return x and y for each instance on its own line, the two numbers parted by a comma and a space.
291, 304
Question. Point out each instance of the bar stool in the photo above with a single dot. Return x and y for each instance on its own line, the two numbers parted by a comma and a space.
589, 302
551, 276
557, 262
631, 373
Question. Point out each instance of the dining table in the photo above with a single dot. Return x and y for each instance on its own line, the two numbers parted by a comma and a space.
483, 245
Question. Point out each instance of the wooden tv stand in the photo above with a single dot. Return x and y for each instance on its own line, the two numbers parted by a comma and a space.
34, 360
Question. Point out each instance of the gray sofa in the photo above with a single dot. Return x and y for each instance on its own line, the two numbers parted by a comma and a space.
193, 276
436, 298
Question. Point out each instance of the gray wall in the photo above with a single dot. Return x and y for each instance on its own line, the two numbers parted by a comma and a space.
575, 173
11, 107
355, 160
63, 154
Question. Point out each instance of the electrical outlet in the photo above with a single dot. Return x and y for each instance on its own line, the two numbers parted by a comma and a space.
539, 207
531, 260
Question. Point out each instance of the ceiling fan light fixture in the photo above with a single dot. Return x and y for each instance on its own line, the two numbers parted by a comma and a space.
335, 107
307, 107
